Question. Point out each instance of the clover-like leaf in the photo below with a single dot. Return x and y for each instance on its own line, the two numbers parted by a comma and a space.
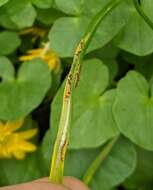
92, 116
133, 109
5, 20
137, 36
9, 41
44, 4
2, 2
21, 94
69, 30
22, 13
118, 165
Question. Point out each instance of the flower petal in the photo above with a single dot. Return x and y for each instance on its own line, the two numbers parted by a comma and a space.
27, 134
18, 154
28, 57
13, 126
27, 146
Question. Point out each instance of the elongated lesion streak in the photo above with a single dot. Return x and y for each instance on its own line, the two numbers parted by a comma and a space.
79, 49
77, 76
67, 93
63, 149
77, 58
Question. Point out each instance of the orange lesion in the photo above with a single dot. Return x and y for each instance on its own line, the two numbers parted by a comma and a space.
79, 48
77, 75
64, 149
68, 86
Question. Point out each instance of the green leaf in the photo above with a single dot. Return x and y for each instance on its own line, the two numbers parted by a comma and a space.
92, 117
107, 54
2, 2
137, 36
69, 30
5, 20
20, 95
22, 13
44, 4
133, 109
9, 41
142, 178
48, 16
119, 164
19, 171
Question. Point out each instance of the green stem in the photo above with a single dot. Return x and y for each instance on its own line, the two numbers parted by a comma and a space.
98, 161
142, 13
61, 142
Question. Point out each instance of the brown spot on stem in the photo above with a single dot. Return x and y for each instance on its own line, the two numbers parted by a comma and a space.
68, 86
63, 149
77, 75
79, 48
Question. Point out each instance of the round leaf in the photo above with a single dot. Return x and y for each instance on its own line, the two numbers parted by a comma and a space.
9, 41
22, 13
20, 95
138, 31
133, 109
5, 20
118, 165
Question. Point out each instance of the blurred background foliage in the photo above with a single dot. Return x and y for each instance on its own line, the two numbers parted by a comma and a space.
37, 43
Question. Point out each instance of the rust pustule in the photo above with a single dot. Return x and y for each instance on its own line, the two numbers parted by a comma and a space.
68, 87
79, 48
63, 149
77, 79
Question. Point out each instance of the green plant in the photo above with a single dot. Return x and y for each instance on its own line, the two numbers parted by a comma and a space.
106, 114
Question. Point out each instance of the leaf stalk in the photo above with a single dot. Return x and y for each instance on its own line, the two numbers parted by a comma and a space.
98, 161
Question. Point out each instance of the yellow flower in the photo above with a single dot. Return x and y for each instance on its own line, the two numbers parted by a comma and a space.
35, 31
45, 54
15, 144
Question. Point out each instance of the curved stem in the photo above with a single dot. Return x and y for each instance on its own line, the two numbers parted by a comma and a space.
61, 142
142, 14
98, 161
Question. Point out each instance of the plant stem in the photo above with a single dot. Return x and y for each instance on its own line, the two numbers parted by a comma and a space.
142, 13
98, 161
61, 142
